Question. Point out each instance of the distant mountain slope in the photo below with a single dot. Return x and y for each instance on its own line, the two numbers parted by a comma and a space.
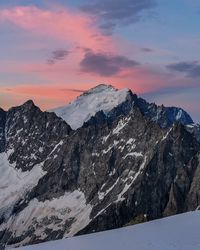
121, 167
164, 116
173, 233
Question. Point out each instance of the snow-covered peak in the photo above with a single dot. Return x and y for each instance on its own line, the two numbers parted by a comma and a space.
100, 98
100, 88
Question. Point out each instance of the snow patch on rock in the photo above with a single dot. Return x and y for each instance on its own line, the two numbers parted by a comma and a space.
70, 207
14, 183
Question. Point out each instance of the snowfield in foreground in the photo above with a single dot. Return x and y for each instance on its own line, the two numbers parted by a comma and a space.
180, 232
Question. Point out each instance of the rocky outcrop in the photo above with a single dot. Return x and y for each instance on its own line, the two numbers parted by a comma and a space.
32, 134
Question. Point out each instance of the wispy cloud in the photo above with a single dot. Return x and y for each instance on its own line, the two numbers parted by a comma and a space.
46, 96
73, 90
73, 27
118, 12
190, 68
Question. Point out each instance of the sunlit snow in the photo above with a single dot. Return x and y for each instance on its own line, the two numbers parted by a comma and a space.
180, 232
103, 97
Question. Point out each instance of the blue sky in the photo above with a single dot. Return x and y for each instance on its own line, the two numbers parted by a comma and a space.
150, 46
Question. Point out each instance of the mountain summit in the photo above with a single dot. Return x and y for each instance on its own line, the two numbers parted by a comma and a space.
102, 97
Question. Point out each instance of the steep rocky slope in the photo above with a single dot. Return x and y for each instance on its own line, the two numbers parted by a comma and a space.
121, 167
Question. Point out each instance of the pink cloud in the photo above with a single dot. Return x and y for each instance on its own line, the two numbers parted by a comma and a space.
78, 31
73, 27
45, 96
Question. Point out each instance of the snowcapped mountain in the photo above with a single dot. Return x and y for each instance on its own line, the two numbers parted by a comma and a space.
172, 233
127, 164
105, 98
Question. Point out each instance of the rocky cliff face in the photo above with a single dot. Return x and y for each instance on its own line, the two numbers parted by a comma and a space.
121, 167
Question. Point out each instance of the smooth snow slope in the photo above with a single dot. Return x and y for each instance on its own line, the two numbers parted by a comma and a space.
180, 232
102, 97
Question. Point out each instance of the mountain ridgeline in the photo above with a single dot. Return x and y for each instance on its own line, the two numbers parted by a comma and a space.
106, 160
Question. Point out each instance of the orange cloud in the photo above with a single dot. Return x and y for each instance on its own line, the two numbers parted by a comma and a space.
45, 96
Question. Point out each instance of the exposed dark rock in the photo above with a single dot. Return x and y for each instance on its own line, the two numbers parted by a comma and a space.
164, 116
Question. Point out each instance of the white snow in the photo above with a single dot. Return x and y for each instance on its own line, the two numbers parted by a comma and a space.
102, 195
121, 124
114, 144
55, 148
41, 149
112, 172
130, 141
166, 135
132, 176
14, 183
179, 115
96, 154
191, 125
103, 97
105, 138
69, 206
105, 151
179, 232
133, 154
131, 146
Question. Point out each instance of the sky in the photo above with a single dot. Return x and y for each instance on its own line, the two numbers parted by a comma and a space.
52, 51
